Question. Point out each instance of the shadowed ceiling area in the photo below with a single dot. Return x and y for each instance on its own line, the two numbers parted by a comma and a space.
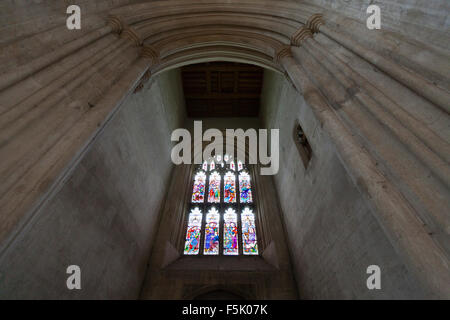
222, 89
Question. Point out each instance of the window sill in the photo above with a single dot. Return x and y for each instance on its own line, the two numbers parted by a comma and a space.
221, 263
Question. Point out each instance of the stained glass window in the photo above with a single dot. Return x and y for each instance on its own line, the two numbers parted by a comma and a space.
192, 243
214, 188
213, 208
212, 232
230, 233
245, 189
229, 187
198, 192
249, 243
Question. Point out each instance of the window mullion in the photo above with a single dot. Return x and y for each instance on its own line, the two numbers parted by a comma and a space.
221, 206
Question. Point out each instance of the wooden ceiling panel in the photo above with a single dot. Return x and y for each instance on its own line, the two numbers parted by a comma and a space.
222, 89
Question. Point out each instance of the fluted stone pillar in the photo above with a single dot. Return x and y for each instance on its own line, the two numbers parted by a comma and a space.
342, 99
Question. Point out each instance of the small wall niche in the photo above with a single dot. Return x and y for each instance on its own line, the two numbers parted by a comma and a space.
302, 143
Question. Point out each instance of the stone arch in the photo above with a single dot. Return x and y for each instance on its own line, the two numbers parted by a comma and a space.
233, 290
218, 295
99, 70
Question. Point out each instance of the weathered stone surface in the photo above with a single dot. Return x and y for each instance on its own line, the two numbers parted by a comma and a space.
332, 233
105, 215
381, 96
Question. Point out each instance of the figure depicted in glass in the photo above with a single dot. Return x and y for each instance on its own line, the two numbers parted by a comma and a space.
245, 189
198, 192
214, 188
214, 206
230, 233
229, 188
192, 243
250, 245
212, 232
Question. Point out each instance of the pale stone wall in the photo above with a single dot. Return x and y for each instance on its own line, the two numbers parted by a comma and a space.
333, 235
426, 21
104, 217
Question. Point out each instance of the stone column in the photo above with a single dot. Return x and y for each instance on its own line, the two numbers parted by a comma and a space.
332, 90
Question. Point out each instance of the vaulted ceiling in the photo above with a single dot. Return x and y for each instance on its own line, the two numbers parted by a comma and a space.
222, 89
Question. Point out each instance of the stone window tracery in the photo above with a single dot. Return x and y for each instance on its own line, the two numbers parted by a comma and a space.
221, 219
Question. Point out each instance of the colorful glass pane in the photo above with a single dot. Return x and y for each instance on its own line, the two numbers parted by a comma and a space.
230, 233
245, 189
230, 188
249, 242
212, 166
192, 243
205, 166
232, 166
214, 188
240, 166
212, 232
198, 191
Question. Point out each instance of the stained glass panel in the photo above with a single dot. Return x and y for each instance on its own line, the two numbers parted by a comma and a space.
212, 232
230, 233
198, 191
192, 243
214, 188
229, 188
207, 186
245, 189
249, 242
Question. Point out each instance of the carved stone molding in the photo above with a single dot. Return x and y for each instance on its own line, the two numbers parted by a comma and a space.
300, 35
129, 33
288, 78
314, 22
138, 88
132, 35
284, 51
143, 81
150, 53
116, 23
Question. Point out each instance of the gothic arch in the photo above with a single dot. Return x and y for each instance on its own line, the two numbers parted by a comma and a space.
243, 293
290, 37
